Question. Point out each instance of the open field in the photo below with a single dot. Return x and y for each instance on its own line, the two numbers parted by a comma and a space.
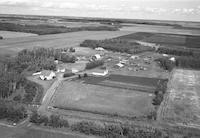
10, 34
55, 41
181, 104
102, 100
164, 39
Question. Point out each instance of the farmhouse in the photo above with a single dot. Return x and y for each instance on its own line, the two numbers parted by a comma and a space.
99, 49
120, 65
134, 57
96, 57
172, 59
47, 75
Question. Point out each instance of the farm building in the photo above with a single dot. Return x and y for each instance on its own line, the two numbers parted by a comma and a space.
96, 57
99, 49
165, 55
172, 59
120, 65
100, 73
61, 70
47, 75
134, 57
74, 70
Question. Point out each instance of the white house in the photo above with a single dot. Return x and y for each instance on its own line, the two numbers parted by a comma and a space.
99, 49
172, 59
74, 70
96, 57
47, 75
100, 73
165, 55
120, 65
134, 57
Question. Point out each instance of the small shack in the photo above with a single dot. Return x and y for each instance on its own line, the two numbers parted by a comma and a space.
99, 49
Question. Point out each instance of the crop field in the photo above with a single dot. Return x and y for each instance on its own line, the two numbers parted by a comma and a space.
188, 41
10, 34
55, 41
97, 99
142, 84
163, 29
181, 105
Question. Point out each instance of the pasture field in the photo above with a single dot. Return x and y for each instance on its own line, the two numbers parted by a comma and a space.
164, 39
10, 34
97, 99
56, 40
181, 104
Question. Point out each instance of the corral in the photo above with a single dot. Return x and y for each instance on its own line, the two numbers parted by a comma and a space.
181, 104
102, 100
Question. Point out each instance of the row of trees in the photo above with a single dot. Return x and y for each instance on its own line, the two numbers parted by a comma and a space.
105, 130
53, 120
12, 111
117, 45
43, 58
181, 62
179, 52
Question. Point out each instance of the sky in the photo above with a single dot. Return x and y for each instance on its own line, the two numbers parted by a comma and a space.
183, 10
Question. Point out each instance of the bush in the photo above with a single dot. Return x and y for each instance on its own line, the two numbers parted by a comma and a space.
94, 64
1, 37
68, 74
71, 49
17, 98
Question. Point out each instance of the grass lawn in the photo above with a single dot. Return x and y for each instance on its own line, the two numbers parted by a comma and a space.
102, 100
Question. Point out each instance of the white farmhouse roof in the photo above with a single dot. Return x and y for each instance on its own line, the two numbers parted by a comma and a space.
120, 65
165, 55
97, 56
172, 59
99, 49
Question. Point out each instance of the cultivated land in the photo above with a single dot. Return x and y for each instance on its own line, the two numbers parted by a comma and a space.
56, 40
165, 39
10, 34
161, 28
102, 100
181, 104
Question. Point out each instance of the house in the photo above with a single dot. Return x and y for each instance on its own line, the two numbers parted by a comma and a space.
120, 65
47, 75
172, 59
104, 73
134, 57
96, 57
165, 55
74, 70
99, 49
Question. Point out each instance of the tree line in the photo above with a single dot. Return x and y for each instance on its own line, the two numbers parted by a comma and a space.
117, 45
107, 130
